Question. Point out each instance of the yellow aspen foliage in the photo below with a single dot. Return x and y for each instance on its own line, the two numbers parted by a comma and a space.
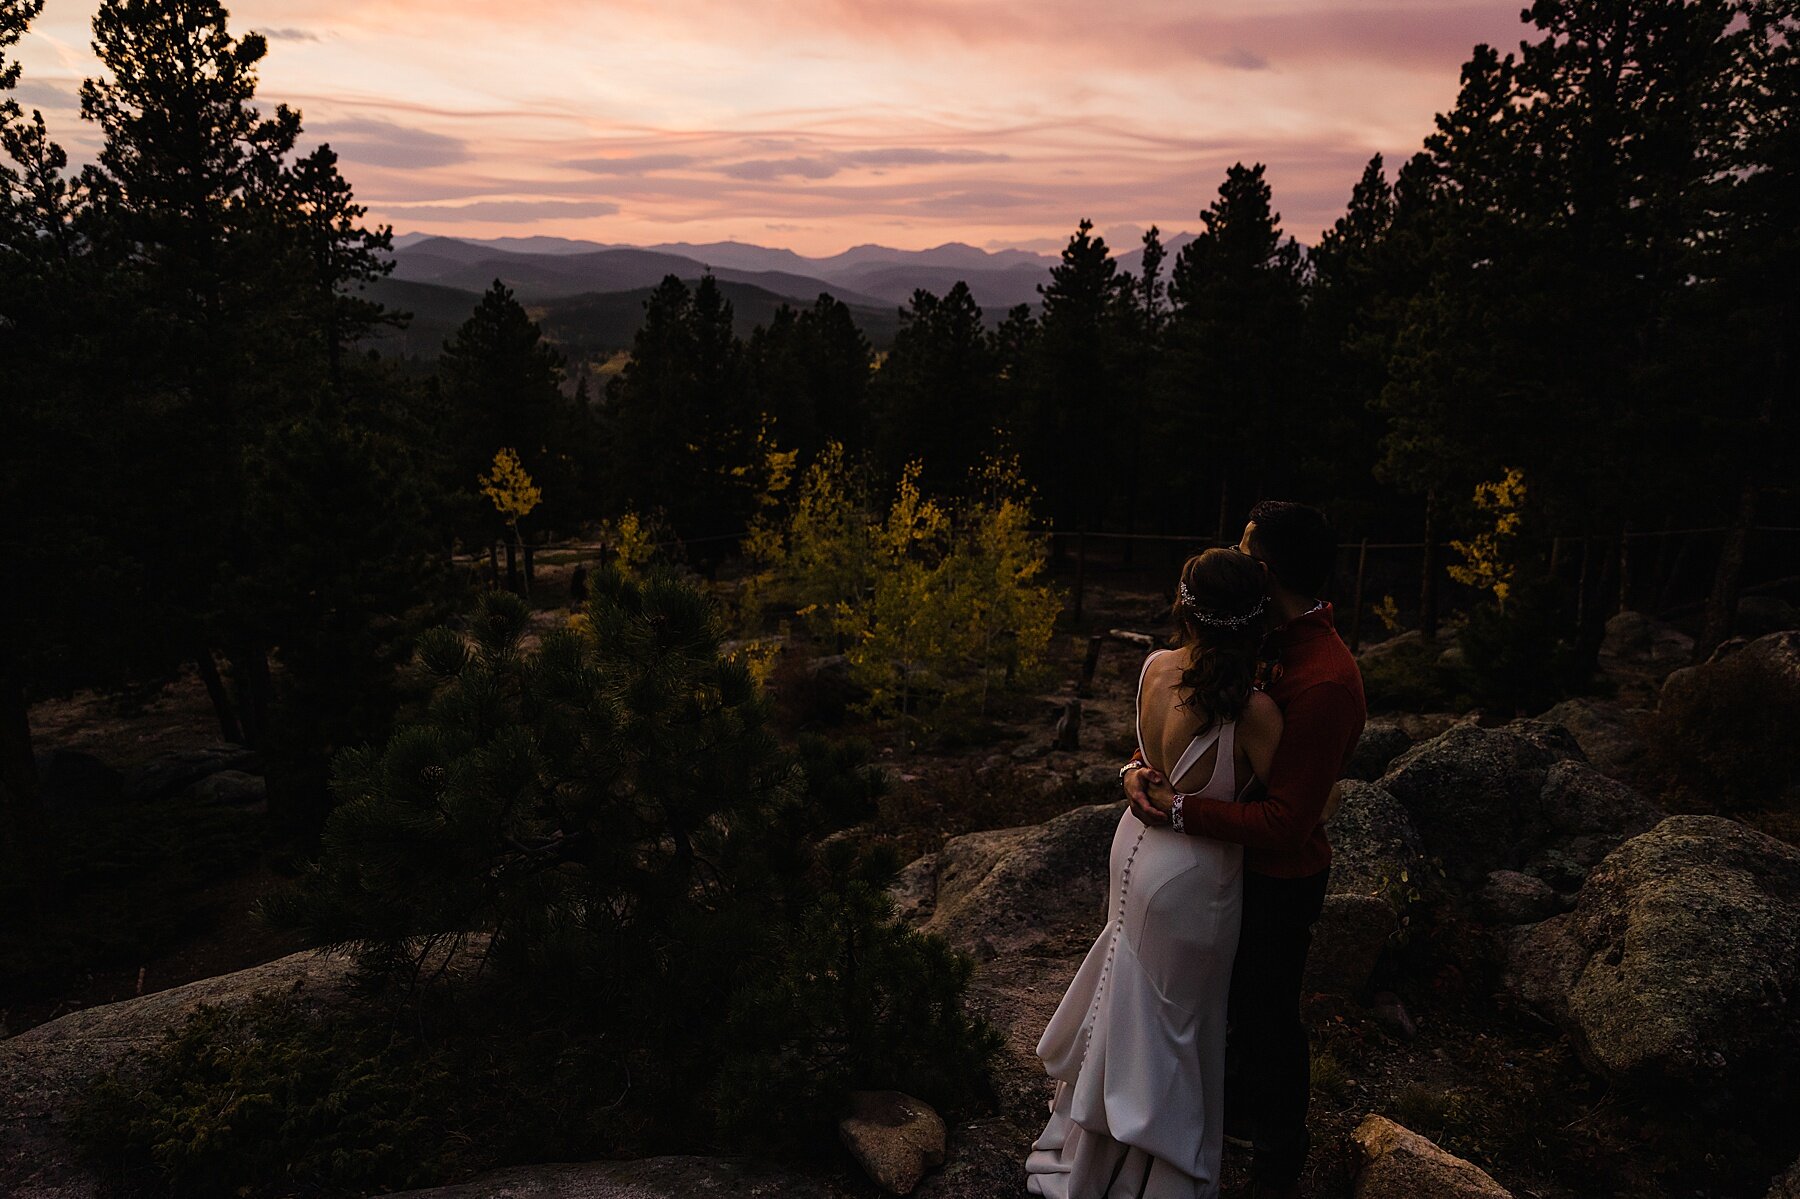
509, 488
821, 554
1006, 610
1388, 613
902, 633
1487, 557
632, 542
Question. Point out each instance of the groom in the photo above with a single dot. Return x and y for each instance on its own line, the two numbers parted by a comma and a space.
1286, 857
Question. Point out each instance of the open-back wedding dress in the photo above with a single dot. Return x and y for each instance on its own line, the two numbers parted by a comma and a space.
1137, 1046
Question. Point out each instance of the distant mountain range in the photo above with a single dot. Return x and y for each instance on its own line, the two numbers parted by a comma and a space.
589, 295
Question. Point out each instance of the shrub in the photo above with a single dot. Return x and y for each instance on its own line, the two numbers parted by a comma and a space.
671, 957
270, 1094
1412, 678
1725, 738
1516, 654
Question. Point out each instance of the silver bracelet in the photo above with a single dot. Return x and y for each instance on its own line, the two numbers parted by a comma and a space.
1176, 820
1133, 764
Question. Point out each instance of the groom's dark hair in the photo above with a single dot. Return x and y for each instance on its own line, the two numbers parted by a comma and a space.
1297, 543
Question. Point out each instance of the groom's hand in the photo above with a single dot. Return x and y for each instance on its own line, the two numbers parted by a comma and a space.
1137, 790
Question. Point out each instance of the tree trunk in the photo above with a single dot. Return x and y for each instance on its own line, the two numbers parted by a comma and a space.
229, 729
1428, 573
512, 569
1721, 603
1598, 606
250, 675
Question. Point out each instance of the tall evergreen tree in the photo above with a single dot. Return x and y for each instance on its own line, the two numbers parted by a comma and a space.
811, 371
934, 398
1079, 423
503, 386
681, 429
1232, 371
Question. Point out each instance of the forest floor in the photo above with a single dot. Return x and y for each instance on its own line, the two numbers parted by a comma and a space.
1481, 1077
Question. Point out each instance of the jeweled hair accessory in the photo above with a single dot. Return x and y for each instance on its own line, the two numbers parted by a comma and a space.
1205, 617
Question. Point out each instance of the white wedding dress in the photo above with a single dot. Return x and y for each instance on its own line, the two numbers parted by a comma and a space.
1137, 1046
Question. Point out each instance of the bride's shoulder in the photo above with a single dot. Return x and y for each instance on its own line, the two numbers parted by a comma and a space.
1261, 713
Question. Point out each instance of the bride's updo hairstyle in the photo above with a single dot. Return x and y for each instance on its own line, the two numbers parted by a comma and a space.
1222, 615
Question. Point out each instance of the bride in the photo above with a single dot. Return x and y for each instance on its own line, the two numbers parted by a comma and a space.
1137, 1046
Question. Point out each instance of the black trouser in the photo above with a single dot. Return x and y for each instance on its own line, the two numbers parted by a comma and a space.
1268, 1067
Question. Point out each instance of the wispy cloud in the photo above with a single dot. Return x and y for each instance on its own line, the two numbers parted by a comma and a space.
833, 122
381, 142
504, 211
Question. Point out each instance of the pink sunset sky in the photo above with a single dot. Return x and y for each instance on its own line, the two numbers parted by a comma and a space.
820, 124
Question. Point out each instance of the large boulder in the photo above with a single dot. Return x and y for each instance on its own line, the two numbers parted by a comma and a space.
1473, 793
1610, 734
1382, 741
178, 770
895, 1138
1396, 1163
1635, 637
1779, 650
231, 789
1759, 615
1678, 971
1375, 865
1519, 797
43, 1069
1508, 897
1035, 889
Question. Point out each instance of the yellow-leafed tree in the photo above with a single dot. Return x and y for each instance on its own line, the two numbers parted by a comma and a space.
509, 488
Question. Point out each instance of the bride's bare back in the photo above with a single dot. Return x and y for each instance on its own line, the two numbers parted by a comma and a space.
1168, 728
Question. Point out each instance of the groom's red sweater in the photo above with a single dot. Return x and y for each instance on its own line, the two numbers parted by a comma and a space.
1320, 693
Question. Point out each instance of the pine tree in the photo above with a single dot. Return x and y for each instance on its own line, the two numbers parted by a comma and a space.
503, 384
680, 422
1232, 371
1079, 423
934, 398
612, 808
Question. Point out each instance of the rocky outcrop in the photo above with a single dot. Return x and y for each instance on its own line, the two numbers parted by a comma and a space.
1374, 867
895, 1138
1636, 637
176, 772
1787, 1186
1759, 615
1397, 1163
1610, 734
1780, 651
645, 1178
1035, 889
43, 1069
1382, 741
1519, 797
1678, 972
231, 789
1508, 897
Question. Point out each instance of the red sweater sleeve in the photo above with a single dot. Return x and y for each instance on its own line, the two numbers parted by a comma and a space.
1321, 727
